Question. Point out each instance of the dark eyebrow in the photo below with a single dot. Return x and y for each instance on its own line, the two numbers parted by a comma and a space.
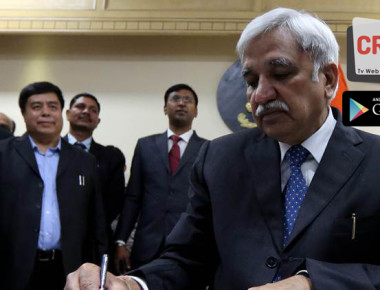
283, 62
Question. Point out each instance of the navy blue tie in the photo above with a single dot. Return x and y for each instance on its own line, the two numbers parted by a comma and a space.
296, 188
80, 145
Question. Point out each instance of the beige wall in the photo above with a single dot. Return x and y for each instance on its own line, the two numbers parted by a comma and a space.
128, 74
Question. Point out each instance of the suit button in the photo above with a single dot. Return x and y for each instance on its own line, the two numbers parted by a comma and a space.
38, 206
271, 262
36, 230
41, 185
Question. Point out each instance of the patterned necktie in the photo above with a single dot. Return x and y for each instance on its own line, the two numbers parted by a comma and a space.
80, 145
174, 153
296, 188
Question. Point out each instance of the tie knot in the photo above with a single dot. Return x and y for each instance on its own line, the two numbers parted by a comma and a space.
175, 138
297, 155
80, 145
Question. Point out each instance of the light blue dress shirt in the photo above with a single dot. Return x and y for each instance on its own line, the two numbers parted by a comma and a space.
87, 142
50, 226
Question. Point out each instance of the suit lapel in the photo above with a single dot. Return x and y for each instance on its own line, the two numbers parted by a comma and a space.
64, 157
191, 149
94, 148
338, 163
264, 157
162, 144
24, 148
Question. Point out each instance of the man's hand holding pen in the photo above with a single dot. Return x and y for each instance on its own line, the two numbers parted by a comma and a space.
87, 277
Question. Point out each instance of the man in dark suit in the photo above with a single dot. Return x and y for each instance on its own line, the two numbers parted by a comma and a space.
294, 204
51, 212
156, 193
83, 116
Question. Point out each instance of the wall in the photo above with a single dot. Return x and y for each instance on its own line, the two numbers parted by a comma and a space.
128, 74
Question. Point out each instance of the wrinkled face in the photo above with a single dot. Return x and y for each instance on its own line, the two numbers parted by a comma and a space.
181, 108
286, 104
84, 114
43, 115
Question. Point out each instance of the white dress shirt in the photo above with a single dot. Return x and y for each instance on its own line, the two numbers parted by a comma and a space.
185, 138
316, 144
86, 142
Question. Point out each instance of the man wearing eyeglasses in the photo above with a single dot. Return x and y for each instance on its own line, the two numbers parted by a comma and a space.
157, 189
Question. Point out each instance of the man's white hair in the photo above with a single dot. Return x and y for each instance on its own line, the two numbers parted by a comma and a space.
311, 33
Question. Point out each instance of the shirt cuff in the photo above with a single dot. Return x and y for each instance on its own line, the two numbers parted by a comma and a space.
141, 282
303, 273
120, 243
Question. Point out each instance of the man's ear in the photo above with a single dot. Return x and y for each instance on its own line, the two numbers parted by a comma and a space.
330, 71
165, 110
67, 114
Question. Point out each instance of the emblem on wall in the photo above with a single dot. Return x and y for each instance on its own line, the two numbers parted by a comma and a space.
232, 100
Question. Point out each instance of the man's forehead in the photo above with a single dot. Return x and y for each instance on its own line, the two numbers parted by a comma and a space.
282, 62
45, 97
85, 100
182, 92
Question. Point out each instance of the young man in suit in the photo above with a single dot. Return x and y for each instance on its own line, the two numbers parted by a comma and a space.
294, 204
83, 116
51, 212
157, 192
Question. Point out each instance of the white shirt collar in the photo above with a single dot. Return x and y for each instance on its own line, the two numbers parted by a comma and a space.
316, 144
85, 142
185, 136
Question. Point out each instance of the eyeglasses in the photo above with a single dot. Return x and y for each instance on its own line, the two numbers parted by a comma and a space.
178, 98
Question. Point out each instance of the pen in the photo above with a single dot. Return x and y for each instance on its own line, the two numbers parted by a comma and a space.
103, 271
353, 226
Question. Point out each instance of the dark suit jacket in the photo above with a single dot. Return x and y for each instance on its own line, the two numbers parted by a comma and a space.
4, 134
110, 167
110, 164
233, 228
81, 210
155, 196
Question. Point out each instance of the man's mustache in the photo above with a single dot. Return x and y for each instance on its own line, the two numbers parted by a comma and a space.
274, 105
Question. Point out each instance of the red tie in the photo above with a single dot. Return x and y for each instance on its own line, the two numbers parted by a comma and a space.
174, 153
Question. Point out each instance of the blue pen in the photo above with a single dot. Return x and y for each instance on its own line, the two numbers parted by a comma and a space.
103, 271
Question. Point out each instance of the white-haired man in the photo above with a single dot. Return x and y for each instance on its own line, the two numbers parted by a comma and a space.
291, 205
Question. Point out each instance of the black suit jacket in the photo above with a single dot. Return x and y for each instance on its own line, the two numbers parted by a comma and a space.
4, 134
110, 162
231, 235
110, 167
81, 210
154, 196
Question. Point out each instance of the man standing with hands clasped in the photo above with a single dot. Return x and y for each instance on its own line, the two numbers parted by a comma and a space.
157, 191
83, 116
294, 204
